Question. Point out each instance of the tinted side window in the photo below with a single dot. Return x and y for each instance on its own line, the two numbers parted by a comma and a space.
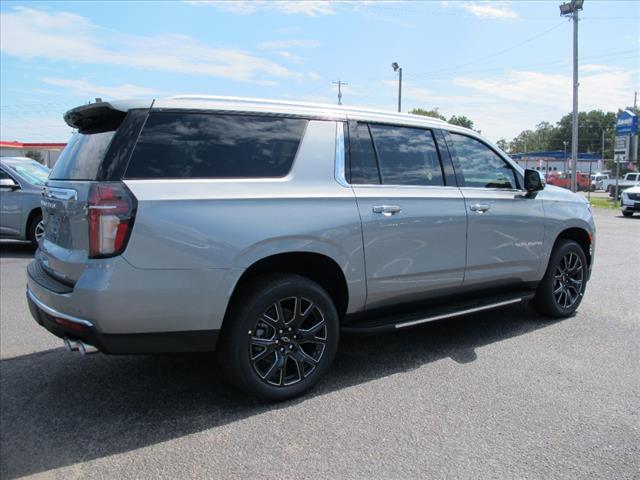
364, 169
479, 166
81, 158
203, 145
407, 156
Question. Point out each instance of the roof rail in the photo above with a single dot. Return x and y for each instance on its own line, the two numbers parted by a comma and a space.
324, 106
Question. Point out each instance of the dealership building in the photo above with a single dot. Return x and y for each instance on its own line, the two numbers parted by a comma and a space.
48, 152
558, 161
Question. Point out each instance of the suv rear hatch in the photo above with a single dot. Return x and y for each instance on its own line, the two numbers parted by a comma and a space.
87, 210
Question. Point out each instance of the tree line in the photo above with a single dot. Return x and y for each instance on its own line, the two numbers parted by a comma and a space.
547, 136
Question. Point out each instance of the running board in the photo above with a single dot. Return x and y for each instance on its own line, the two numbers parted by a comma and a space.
398, 322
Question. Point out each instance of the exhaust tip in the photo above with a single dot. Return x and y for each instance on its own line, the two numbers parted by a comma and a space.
70, 345
86, 349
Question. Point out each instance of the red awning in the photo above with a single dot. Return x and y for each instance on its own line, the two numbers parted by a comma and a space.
35, 146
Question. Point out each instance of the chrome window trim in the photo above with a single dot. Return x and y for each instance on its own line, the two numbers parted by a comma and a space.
340, 156
55, 313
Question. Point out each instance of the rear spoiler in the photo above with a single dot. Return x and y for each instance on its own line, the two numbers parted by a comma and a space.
102, 116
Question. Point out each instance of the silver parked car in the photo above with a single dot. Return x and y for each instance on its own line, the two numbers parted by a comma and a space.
21, 183
264, 229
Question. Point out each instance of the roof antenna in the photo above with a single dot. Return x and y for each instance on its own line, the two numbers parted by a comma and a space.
98, 99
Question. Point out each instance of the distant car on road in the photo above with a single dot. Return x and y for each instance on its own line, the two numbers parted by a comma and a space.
21, 183
630, 201
564, 180
597, 179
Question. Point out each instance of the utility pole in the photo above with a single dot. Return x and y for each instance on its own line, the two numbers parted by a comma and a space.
398, 68
340, 83
571, 9
635, 100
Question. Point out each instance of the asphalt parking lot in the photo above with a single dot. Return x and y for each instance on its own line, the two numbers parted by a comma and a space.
502, 394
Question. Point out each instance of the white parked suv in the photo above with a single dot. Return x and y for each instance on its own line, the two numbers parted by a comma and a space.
630, 201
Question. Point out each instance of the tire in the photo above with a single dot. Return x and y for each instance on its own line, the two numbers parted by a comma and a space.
627, 214
265, 350
567, 266
35, 229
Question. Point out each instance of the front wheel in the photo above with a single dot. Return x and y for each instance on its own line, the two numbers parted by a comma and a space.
280, 337
562, 287
627, 214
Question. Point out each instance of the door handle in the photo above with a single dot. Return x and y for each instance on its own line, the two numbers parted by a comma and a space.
387, 210
479, 207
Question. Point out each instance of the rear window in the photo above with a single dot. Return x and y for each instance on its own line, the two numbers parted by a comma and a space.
206, 145
82, 156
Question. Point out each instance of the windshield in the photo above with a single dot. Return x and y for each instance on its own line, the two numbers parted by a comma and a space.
33, 173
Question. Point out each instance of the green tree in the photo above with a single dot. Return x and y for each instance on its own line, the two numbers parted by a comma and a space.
503, 144
434, 113
461, 121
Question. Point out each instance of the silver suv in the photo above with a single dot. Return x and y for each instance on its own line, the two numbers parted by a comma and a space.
264, 229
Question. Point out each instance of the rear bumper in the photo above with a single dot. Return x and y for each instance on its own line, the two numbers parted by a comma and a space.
68, 326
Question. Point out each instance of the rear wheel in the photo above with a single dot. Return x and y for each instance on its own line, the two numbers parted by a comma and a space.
280, 338
627, 214
562, 287
36, 229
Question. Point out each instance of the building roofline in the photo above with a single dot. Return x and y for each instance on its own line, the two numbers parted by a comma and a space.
36, 145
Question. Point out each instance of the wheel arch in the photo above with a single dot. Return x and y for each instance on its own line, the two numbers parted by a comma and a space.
318, 267
579, 235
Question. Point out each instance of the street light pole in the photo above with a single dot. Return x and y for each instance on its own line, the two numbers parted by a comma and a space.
398, 68
571, 9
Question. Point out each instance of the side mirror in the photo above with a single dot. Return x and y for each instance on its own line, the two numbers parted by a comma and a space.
8, 184
533, 181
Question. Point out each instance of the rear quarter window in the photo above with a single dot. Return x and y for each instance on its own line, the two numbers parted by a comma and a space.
208, 145
81, 158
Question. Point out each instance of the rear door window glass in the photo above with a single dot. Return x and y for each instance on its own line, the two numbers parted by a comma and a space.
407, 156
207, 145
364, 170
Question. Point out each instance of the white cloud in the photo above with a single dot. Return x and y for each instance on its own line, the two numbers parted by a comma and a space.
60, 36
490, 10
592, 67
311, 8
85, 88
313, 75
605, 90
289, 43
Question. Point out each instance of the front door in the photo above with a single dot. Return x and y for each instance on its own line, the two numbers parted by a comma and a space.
506, 227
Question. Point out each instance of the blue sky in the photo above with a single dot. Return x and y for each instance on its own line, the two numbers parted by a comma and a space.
506, 65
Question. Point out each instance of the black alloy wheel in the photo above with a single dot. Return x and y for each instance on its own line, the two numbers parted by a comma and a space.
279, 337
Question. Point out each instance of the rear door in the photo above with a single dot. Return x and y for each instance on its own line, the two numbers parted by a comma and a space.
95, 154
506, 227
413, 215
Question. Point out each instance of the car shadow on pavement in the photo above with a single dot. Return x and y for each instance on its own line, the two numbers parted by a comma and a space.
16, 249
59, 409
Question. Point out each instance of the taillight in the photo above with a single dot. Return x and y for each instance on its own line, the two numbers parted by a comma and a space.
111, 208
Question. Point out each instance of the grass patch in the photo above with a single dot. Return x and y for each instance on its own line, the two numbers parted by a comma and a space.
604, 203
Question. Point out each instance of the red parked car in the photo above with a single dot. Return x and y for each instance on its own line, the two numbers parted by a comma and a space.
560, 179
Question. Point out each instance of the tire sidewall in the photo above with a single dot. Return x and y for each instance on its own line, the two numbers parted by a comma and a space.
236, 346
33, 224
567, 246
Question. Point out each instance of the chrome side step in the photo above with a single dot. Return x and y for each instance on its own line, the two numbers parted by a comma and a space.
373, 322
458, 313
